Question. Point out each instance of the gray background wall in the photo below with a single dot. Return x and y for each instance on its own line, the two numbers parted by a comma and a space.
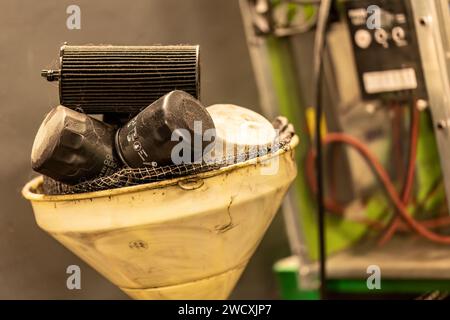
32, 265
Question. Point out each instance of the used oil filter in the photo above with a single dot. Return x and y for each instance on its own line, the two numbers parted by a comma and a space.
123, 79
238, 131
172, 126
72, 147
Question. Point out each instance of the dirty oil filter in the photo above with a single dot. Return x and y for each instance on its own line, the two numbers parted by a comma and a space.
72, 147
123, 79
239, 131
174, 123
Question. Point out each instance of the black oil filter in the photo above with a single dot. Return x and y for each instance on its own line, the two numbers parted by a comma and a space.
169, 131
102, 79
72, 147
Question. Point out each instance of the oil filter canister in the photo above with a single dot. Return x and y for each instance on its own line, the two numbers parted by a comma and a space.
123, 79
239, 131
175, 129
72, 147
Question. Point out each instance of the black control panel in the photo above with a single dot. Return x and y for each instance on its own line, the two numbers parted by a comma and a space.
386, 49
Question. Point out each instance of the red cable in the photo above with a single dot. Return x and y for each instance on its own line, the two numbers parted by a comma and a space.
409, 181
396, 138
335, 207
430, 224
387, 183
331, 205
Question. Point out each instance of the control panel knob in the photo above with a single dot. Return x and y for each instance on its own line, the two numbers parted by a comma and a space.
363, 38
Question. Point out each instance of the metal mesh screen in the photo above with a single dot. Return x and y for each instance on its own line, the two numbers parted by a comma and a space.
130, 177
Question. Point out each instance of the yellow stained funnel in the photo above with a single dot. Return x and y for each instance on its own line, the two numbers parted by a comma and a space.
184, 238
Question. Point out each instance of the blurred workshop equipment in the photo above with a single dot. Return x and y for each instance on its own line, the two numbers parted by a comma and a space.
373, 103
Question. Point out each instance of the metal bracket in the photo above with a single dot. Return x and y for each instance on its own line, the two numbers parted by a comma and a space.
267, 17
432, 21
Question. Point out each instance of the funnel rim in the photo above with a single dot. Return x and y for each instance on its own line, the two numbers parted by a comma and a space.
29, 194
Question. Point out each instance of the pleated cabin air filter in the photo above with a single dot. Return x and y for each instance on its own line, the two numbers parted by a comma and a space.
123, 79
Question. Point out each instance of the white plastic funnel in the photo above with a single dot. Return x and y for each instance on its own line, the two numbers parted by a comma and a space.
185, 238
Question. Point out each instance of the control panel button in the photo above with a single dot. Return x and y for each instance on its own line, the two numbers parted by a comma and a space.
399, 36
382, 37
363, 38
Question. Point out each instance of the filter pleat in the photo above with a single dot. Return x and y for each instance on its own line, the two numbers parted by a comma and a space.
101, 79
